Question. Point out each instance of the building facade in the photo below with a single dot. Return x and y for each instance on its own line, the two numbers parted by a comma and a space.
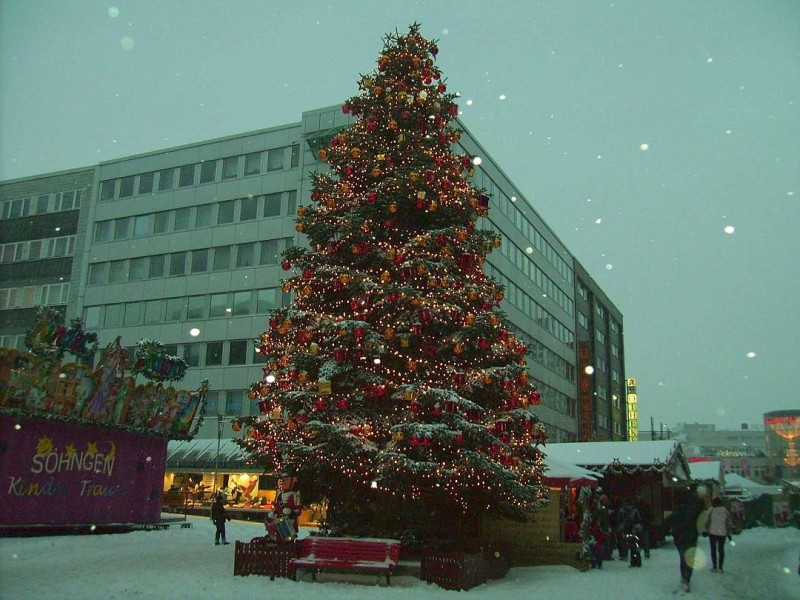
183, 246
39, 227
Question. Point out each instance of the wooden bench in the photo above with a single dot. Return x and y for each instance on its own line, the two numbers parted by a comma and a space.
368, 555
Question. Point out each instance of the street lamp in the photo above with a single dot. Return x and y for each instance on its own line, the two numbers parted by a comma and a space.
220, 420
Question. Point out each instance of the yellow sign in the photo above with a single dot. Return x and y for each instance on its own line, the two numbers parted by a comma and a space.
632, 398
631, 382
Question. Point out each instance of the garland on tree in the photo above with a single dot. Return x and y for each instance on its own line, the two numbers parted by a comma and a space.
393, 375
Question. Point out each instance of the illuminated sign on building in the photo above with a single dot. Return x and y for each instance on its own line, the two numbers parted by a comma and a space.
633, 410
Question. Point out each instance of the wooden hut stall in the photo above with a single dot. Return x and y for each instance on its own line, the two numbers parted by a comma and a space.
548, 537
653, 469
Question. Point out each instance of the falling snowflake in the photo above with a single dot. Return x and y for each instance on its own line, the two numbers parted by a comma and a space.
644, 147
529, 250
598, 221
126, 43
730, 229
609, 266
502, 96
751, 355
113, 12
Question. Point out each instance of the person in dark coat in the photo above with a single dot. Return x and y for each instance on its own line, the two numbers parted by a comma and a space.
218, 517
646, 514
682, 524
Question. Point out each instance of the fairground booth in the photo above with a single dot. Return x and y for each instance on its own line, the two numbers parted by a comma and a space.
82, 447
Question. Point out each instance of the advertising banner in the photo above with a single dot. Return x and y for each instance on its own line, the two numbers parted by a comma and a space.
57, 473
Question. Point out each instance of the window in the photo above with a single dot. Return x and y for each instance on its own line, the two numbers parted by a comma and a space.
153, 312
161, 221
102, 231
213, 354
248, 209
126, 187
93, 316
177, 263
138, 269
117, 272
265, 301
202, 216
98, 274
208, 171
230, 167
182, 216
142, 225
157, 265
225, 214
222, 258
219, 305
212, 402
200, 261
245, 254
146, 183
133, 313
191, 354
269, 252
42, 203
107, 189
122, 228
241, 303
235, 402
252, 163
275, 160
165, 179
35, 250
291, 202
238, 352
113, 315
196, 307
295, 156
186, 176
174, 309
272, 205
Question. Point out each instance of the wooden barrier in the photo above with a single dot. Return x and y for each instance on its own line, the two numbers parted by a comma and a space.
261, 556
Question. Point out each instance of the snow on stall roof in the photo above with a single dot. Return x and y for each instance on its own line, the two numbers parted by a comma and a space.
603, 454
706, 470
747, 486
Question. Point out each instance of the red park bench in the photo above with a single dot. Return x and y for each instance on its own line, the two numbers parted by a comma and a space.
368, 555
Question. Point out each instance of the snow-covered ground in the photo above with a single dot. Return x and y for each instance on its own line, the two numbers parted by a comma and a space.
184, 563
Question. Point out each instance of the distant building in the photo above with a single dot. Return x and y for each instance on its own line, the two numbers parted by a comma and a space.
742, 451
783, 435
183, 246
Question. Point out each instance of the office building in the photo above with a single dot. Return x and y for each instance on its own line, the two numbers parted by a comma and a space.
183, 246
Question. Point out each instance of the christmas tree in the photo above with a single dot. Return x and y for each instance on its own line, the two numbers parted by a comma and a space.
393, 388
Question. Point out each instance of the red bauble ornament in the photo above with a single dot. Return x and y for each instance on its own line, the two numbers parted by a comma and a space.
346, 109
236, 426
286, 265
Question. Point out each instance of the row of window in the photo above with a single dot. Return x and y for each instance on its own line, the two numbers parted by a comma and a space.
206, 215
557, 401
508, 206
13, 341
37, 249
523, 261
176, 264
44, 203
517, 297
34, 295
191, 308
545, 357
210, 171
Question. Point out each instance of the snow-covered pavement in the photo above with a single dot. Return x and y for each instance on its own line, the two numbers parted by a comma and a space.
184, 563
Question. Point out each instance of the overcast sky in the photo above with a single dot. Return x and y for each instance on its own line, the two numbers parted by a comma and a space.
660, 140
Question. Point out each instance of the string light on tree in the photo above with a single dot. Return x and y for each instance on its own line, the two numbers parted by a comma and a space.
393, 376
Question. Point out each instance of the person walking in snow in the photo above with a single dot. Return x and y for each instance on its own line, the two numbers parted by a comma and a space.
682, 523
218, 517
718, 527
